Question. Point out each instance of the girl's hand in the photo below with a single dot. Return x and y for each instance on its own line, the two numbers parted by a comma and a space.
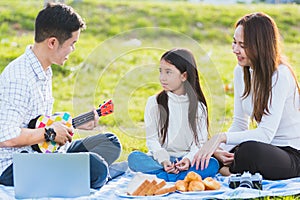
224, 156
183, 164
170, 167
206, 151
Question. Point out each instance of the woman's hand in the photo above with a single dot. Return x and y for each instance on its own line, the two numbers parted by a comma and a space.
206, 151
91, 124
170, 167
224, 156
183, 164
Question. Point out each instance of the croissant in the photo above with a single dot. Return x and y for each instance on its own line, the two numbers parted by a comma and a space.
196, 186
211, 184
194, 182
192, 176
182, 185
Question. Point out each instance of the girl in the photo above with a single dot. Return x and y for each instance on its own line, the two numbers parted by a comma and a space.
176, 121
266, 90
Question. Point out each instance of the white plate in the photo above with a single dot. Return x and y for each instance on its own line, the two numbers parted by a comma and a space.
205, 192
123, 194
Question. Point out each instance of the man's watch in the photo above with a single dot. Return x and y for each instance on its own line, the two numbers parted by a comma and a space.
49, 134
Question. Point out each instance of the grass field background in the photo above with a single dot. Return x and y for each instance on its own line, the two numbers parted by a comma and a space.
118, 55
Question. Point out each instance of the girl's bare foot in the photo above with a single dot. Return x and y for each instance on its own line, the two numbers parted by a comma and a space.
225, 171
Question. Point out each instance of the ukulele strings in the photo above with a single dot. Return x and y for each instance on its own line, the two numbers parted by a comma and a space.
81, 119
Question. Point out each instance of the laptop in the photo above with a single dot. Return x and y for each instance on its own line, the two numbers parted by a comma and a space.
51, 175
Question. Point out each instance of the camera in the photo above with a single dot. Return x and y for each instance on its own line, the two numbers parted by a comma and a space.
246, 180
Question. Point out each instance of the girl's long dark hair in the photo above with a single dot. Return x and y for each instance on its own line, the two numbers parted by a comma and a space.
262, 46
184, 61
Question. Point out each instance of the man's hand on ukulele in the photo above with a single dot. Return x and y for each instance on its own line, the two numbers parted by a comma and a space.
91, 124
63, 133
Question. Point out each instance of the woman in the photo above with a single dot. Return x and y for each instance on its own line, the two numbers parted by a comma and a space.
176, 121
267, 91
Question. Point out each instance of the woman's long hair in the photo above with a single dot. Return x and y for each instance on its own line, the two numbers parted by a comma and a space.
184, 61
262, 47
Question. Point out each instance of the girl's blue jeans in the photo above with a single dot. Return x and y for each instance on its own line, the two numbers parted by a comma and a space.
141, 162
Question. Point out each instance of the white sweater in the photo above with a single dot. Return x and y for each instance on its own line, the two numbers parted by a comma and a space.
180, 139
282, 126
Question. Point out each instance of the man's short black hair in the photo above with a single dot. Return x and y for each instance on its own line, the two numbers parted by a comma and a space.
57, 20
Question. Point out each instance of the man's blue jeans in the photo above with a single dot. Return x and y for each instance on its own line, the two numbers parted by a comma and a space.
104, 149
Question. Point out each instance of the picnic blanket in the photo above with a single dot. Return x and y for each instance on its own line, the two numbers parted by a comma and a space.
115, 189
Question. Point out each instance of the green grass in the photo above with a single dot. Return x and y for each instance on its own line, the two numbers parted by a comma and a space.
118, 55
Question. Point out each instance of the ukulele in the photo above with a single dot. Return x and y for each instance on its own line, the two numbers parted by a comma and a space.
43, 121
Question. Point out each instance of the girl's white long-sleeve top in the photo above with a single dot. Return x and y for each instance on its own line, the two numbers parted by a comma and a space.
180, 140
281, 127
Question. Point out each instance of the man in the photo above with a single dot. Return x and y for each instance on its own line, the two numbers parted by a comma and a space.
26, 92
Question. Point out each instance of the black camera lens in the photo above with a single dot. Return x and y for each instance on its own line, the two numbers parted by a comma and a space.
246, 184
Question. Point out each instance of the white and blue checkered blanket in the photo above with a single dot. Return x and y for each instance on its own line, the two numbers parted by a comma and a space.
115, 189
